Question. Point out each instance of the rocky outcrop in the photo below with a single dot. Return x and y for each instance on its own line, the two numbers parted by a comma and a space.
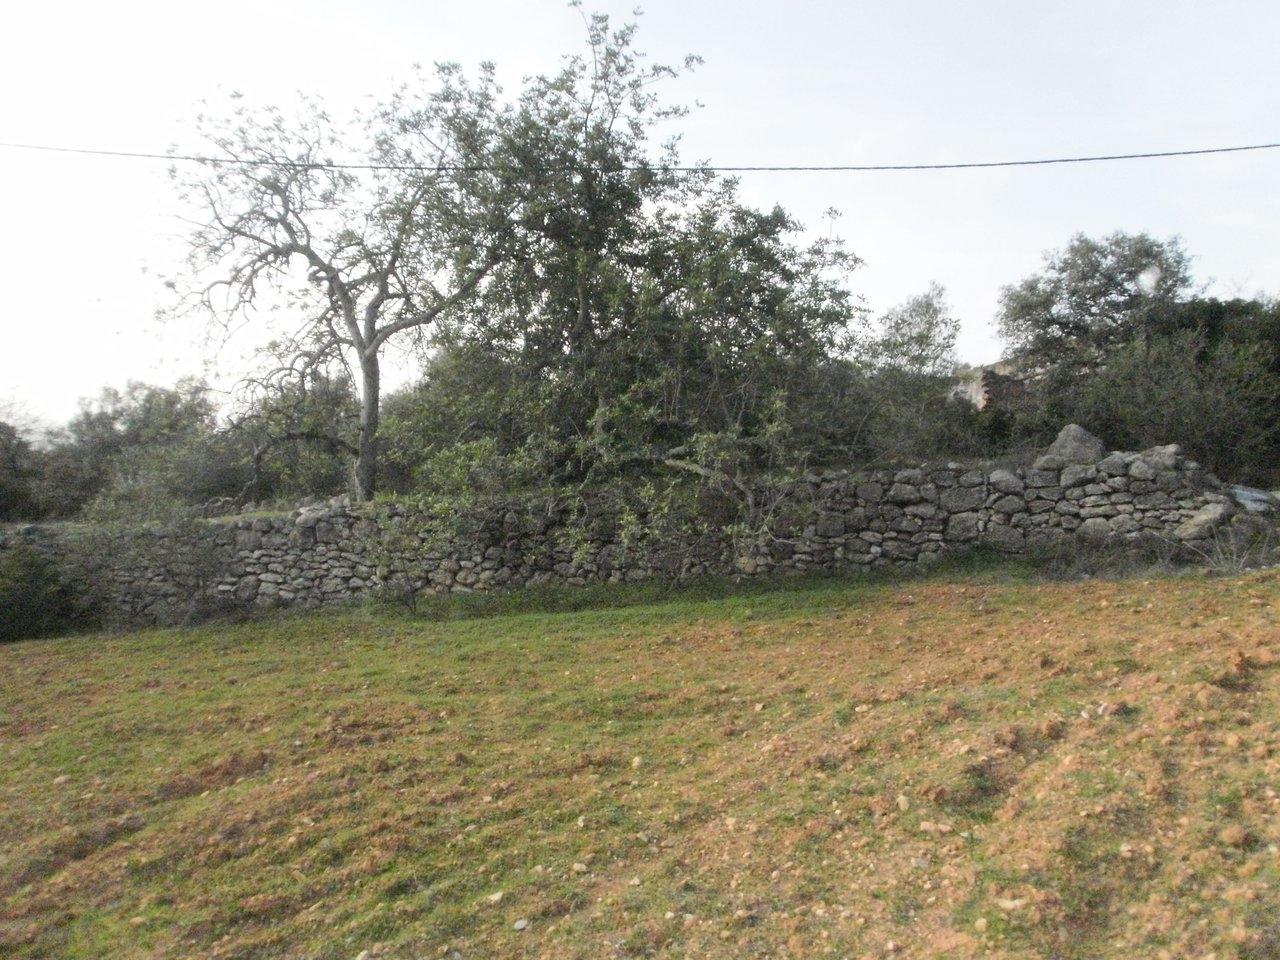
332, 552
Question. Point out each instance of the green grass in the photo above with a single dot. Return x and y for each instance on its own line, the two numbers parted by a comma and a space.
715, 593
807, 767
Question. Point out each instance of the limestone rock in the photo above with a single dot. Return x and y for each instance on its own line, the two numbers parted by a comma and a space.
870, 492
1075, 444
961, 499
1048, 461
1010, 505
1117, 464
830, 525
904, 493
1005, 537
1077, 474
1140, 469
1006, 481
309, 517
331, 552
1038, 477
962, 526
1205, 520
1163, 458
1124, 524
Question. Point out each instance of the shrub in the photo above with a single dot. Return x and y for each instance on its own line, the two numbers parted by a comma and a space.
36, 599
1218, 401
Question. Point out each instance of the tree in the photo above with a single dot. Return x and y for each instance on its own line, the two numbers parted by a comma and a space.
81, 458
653, 319
918, 338
358, 257
636, 303
1090, 297
1216, 321
1112, 336
902, 395
296, 436
17, 499
467, 394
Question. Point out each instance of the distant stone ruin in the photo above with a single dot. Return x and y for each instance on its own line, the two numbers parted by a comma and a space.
993, 384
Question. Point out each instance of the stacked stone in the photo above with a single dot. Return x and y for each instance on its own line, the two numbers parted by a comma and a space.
1075, 488
331, 553
315, 557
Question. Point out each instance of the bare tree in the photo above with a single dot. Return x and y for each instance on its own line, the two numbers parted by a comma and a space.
359, 233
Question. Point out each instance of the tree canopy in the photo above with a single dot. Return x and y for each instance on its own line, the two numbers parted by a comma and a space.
638, 303
354, 258
1091, 296
588, 308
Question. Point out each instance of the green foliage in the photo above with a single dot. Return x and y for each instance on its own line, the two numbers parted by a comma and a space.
1091, 297
649, 339
152, 453
623, 330
474, 468
902, 393
1111, 339
17, 471
1220, 401
918, 338
120, 431
393, 252
295, 438
155, 483
466, 396
483, 425
38, 600
646, 305
633, 322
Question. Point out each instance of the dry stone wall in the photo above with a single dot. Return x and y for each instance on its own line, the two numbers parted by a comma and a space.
334, 553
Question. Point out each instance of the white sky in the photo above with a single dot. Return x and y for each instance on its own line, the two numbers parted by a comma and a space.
800, 82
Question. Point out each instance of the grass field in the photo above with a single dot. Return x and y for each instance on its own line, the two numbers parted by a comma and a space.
971, 764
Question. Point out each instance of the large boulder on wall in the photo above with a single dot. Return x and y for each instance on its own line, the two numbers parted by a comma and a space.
1074, 444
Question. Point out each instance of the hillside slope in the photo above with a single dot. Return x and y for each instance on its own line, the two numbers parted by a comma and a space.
946, 768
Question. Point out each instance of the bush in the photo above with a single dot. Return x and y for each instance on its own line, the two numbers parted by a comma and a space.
37, 600
1219, 401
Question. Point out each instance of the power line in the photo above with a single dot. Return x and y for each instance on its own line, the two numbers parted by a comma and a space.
781, 168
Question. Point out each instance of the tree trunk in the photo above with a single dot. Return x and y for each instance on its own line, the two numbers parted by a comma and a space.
367, 456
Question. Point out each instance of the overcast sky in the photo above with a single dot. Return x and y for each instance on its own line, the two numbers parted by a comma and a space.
783, 83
